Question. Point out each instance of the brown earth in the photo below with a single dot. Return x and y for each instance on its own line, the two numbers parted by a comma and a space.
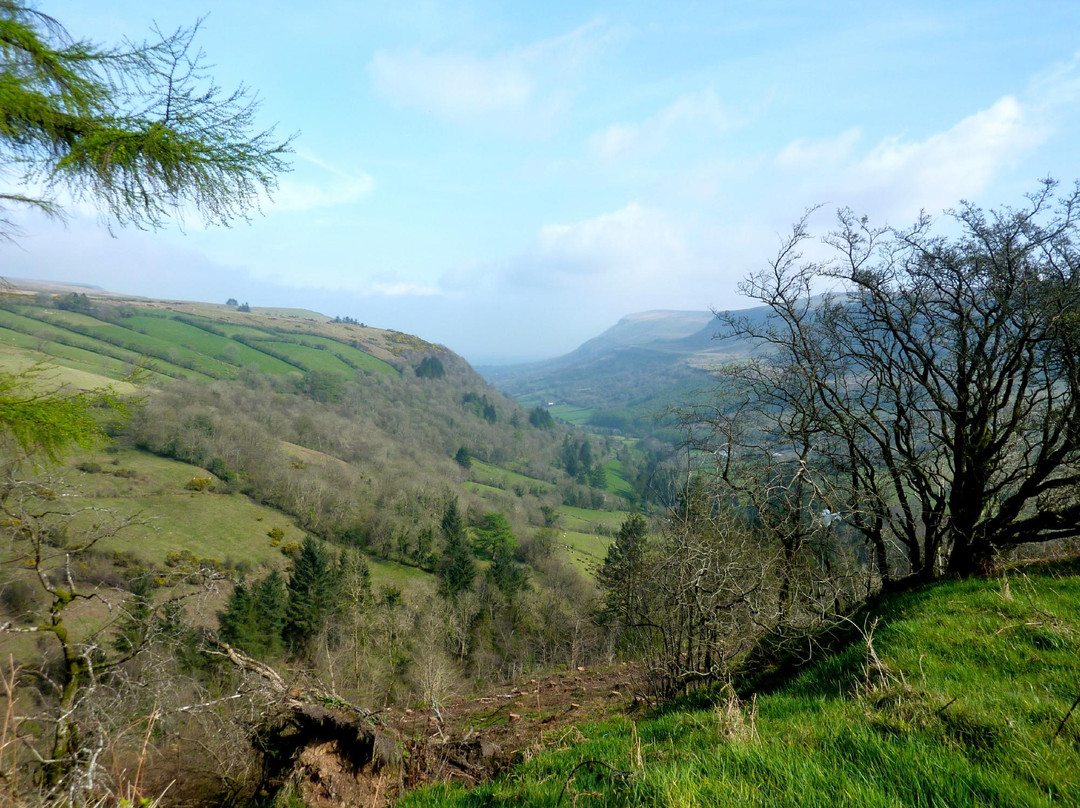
467, 741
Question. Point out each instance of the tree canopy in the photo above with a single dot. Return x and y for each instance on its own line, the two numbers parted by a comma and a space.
931, 402
138, 129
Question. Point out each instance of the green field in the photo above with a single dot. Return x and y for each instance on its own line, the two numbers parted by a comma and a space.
586, 550
571, 414
91, 353
591, 521
354, 357
176, 346
967, 700
228, 528
616, 483
505, 479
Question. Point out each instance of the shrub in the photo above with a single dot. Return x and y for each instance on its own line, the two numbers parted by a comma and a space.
200, 484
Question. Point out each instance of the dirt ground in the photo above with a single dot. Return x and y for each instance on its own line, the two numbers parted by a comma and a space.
473, 740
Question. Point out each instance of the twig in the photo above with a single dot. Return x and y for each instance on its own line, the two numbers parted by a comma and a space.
1061, 726
945, 706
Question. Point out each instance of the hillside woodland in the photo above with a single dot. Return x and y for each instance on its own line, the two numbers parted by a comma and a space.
352, 506
263, 557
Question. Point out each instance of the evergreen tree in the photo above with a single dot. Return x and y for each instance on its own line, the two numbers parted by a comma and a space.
236, 625
505, 572
456, 569
622, 576
312, 595
270, 602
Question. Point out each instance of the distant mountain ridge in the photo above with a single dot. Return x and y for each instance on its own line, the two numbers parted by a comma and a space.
627, 376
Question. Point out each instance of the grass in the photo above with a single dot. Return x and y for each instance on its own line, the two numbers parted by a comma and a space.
171, 518
149, 344
353, 356
972, 682
586, 550
497, 477
60, 376
195, 346
589, 520
309, 358
570, 413
56, 341
616, 482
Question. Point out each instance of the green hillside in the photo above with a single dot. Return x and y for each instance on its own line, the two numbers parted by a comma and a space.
960, 694
629, 377
112, 336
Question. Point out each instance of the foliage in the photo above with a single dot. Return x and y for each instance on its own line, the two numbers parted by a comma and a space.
933, 402
430, 368
312, 595
463, 457
622, 578
140, 130
541, 418
456, 568
480, 405
41, 418
323, 386
254, 617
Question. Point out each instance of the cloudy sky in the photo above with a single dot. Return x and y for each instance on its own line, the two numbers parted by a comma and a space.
509, 179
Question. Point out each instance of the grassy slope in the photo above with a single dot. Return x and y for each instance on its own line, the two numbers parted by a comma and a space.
169, 518
201, 347
974, 680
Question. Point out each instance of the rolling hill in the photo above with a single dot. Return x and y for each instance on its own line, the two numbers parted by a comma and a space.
628, 376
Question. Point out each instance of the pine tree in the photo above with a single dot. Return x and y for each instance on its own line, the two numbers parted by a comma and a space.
622, 576
456, 569
236, 625
312, 595
270, 602
140, 130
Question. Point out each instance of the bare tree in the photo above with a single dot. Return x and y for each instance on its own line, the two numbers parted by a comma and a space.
931, 400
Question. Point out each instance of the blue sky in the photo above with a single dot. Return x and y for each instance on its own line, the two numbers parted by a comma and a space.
509, 179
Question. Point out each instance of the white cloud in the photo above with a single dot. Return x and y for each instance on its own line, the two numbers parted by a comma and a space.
633, 253
699, 115
633, 241
524, 85
319, 184
804, 153
897, 177
451, 85
959, 162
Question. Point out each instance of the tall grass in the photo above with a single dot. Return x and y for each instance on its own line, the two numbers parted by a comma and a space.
956, 696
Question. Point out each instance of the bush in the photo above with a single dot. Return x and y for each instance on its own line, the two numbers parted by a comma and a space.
200, 484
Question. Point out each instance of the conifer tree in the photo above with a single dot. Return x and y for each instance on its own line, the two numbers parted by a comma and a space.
141, 130
312, 595
622, 576
270, 601
456, 569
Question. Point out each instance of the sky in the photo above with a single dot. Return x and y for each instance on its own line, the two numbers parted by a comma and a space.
510, 179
